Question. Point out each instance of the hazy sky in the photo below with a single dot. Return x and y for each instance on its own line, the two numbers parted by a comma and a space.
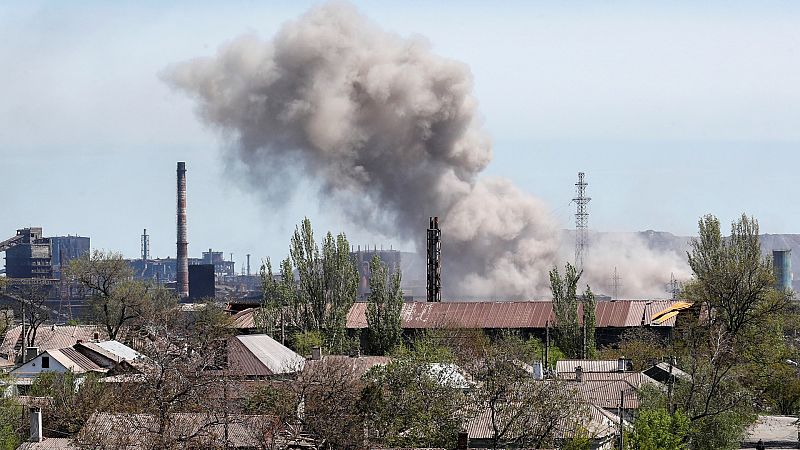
673, 111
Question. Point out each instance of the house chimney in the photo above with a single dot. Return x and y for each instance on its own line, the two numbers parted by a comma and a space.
183, 244
462, 442
578, 374
30, 353
316, 353
36, 424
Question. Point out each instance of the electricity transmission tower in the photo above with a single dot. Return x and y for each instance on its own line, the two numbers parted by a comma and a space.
616, 283
581, 221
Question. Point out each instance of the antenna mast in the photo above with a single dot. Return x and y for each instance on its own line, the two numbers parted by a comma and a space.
581, 221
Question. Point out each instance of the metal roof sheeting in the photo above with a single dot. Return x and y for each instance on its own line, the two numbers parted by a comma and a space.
260, 355
122, 351
587, 365
74, 361
51, 337
503, 315
244, 320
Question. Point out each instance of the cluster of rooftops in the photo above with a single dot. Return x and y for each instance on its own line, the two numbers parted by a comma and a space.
251, 356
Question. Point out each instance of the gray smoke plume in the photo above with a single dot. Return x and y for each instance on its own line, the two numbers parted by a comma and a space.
385, 126
644, 271
388, 129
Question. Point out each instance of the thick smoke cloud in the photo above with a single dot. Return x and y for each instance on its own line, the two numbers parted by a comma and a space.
386, 127
389, 130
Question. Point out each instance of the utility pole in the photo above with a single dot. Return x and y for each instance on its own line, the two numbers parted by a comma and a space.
581, 221
547, 345
621, 425
23, 333
583, 339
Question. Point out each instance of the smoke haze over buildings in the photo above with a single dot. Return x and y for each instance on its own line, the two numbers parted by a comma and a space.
391, 133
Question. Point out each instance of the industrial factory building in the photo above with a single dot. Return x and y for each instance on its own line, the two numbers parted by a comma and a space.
30, 255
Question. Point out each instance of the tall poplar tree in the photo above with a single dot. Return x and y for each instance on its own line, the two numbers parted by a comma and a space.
575, 327
384, 307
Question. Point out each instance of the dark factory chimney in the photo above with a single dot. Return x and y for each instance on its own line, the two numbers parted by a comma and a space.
183, 245
434, 261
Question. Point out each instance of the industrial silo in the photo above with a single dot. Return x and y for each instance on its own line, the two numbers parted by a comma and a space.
782, 268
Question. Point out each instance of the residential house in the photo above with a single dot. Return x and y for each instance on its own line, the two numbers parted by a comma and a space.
48, 337
80, 358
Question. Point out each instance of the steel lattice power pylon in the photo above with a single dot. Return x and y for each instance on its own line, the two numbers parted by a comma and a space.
581, 221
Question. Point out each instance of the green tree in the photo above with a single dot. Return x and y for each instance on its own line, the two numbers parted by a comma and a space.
657, 429
321, 297
575, 327
589, 322
732, 279
410, 405
385, 302
10, 426
726, 338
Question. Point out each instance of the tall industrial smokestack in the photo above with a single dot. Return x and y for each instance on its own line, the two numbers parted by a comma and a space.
434, 261
183, 244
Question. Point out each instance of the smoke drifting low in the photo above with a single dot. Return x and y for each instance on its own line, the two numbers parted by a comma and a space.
643, 270
388, 129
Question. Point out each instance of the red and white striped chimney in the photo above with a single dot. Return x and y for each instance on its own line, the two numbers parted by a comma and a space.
183, 244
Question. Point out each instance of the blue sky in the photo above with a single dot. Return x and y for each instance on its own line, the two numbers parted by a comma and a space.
672, 110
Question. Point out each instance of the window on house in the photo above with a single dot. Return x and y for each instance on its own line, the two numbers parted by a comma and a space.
45, 362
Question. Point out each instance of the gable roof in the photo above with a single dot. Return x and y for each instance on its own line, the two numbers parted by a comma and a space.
113, 350
244, 320
518, 314
260, 355
74, 360
50, 337
67, 357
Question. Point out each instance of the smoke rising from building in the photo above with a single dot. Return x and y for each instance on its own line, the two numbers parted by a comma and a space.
388, 129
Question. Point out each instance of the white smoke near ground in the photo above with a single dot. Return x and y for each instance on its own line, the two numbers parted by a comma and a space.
643, 268
388, 130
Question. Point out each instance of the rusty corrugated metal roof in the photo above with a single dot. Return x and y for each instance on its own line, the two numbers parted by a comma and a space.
244, 320
74, 360
51, 337
522, 314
